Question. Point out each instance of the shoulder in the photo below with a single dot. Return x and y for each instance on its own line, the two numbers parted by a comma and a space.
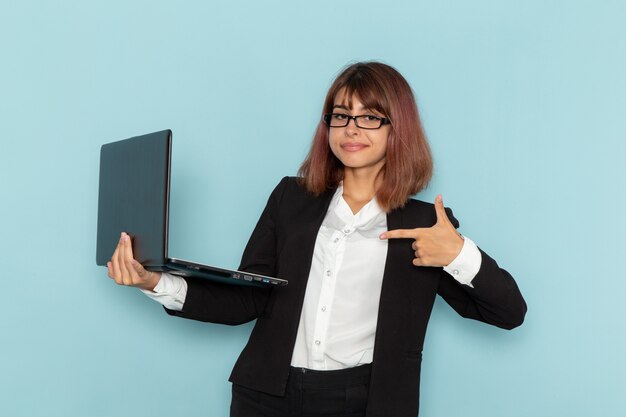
293, 187
422, 213
414, 205
291, 194
288, 187
293, 183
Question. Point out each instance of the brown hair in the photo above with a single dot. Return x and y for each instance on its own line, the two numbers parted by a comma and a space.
408, 162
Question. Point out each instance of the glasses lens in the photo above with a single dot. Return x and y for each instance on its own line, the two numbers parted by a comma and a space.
337, 120
369, 122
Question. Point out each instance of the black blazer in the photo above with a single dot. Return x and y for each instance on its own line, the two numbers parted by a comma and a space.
282, 245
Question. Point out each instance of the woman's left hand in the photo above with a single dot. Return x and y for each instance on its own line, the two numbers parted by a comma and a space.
434, 246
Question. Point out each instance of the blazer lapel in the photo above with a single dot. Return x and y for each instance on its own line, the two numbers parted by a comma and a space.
407, 294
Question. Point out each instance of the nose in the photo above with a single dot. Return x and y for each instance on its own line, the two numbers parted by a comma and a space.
352, 127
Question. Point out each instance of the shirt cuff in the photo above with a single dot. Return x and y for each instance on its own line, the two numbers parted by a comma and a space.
170, 291
467, 263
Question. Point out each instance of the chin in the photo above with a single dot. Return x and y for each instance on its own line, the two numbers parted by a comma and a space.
363, 164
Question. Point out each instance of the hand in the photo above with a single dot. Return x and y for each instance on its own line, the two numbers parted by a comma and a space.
125, 270
434, 246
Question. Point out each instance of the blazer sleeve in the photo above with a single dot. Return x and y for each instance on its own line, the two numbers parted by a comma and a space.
234, 304
495, 298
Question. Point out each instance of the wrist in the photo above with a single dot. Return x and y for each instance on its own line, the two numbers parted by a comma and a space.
456, 248
151, 282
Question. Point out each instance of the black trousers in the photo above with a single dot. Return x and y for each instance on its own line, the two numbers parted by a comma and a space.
341, 393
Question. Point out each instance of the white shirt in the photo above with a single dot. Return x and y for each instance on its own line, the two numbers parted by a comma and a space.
340, 310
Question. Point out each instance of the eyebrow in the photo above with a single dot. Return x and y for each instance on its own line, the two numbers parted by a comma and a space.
344, 107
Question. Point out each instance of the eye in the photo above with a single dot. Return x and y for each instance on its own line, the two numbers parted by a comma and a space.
371, 118
339, 116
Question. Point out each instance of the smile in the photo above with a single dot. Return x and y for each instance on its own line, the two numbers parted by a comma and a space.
353, 146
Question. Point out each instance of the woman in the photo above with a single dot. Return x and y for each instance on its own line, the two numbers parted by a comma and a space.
364, 263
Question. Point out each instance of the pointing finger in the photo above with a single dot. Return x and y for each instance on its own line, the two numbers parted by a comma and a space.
442, 216
400, 234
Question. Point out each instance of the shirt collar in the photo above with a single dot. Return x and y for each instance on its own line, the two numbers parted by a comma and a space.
340, 215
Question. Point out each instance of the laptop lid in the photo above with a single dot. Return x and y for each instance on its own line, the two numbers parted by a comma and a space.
134, 197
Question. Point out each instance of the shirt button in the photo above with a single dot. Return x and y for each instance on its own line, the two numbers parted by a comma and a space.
328, 273
317, 342
324, 308
455, 272
346, 231
336, 240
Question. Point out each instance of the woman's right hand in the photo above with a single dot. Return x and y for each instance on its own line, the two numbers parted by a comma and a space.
125, 270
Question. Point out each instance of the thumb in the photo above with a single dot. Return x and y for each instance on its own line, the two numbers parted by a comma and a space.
141, 271
442, 216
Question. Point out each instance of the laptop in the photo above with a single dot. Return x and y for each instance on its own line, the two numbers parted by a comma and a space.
134, 197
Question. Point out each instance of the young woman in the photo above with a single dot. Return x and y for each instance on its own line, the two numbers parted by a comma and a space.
364, 264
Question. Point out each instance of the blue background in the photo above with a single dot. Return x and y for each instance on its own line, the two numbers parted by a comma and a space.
523, 103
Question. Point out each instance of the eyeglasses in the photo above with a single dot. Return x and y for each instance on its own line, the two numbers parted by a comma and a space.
364, 121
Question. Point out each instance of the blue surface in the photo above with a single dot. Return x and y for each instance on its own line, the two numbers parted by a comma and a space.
523, 104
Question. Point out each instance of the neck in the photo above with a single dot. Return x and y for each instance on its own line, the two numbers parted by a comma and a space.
360, 186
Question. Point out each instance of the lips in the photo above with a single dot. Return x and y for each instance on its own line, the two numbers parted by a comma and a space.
353, 146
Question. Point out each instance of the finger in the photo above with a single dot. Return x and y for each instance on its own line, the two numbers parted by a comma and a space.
419, 262
110, 269
440, 210
139, 269
135, 269
133, 277
139, 274
130, 263
117, 272
128, 247
400, 234
122, 261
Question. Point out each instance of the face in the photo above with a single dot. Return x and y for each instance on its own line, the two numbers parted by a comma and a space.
358, 149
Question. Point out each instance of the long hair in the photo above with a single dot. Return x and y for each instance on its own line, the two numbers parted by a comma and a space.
408, 161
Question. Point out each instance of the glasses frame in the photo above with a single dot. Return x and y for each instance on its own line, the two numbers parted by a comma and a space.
383, 120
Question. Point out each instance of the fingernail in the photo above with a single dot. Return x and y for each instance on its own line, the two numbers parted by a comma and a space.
383, 236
